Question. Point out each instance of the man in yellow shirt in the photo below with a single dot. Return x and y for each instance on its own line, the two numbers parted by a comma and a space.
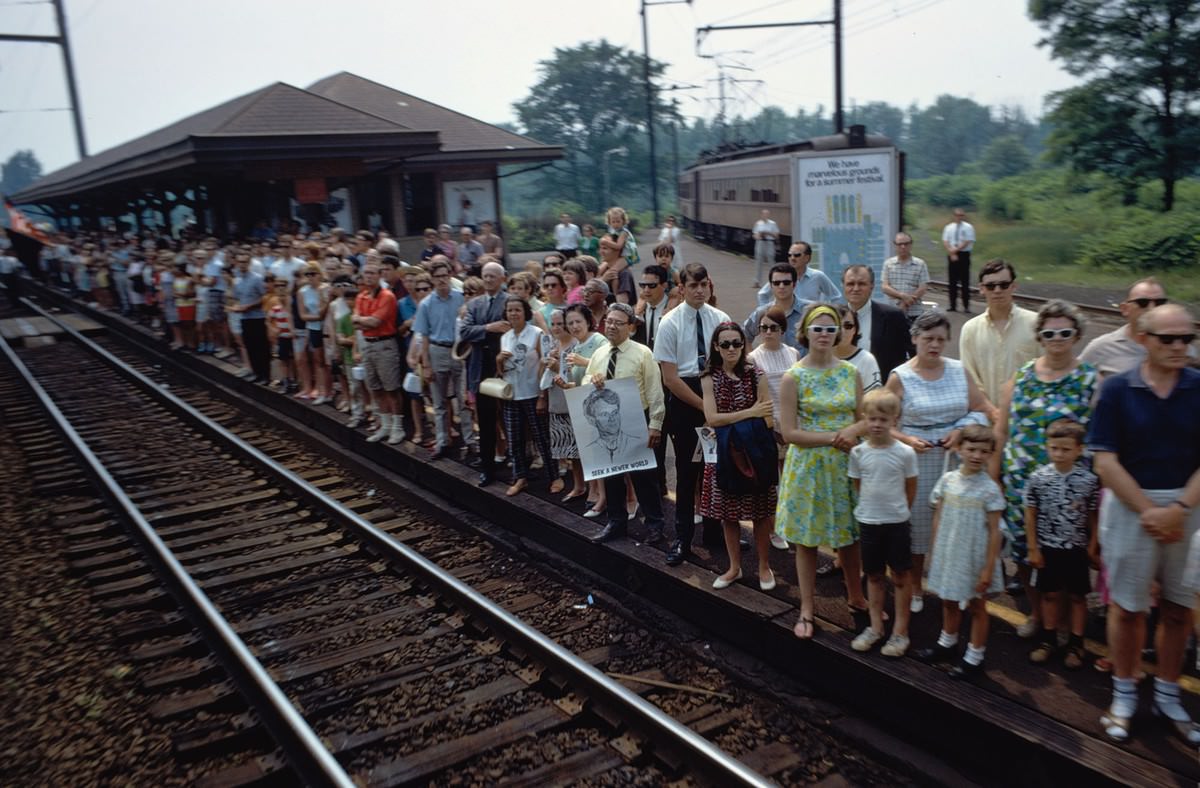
995, 344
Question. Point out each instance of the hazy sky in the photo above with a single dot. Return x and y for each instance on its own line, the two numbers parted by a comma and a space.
144, 63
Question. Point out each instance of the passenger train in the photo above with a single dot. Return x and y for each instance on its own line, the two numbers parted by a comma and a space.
723, 195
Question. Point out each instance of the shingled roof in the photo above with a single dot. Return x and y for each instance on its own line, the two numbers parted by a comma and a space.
461, 135
283, 112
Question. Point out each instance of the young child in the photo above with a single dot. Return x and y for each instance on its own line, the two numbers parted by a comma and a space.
279, 323
1061, 504
884, 472
627, 244
966, 545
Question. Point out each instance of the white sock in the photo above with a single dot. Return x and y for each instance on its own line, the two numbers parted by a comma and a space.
1125, 699
974, 656
946, 640
1166, 698
385, 421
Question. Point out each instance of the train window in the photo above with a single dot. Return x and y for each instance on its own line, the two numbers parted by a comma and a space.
756, 195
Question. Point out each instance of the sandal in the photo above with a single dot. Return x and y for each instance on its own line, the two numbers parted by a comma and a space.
826, 570
1184, 729
1075, 658
802, 626
1115, 728
557, 486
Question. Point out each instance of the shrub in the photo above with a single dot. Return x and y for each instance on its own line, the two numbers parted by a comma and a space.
1145, 240
947, 191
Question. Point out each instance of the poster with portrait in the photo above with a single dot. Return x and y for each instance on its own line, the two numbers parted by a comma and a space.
468, 203
610, 428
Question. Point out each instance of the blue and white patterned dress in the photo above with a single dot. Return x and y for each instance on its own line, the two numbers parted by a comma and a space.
932, 410
962, 539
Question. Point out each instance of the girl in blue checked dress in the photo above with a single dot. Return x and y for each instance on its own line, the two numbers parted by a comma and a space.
966, 550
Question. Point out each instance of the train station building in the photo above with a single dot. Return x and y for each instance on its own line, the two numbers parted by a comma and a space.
344, 151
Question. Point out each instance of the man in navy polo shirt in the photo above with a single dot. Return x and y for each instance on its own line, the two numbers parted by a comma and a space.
1145, 434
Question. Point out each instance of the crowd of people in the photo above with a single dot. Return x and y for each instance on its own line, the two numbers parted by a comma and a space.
1068, 463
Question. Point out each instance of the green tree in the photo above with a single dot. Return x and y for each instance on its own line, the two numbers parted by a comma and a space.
1005, 156
591, 99
880, 118
946, 135
1138, 114
21, 169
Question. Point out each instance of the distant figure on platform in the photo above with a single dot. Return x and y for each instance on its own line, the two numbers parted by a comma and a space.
566, 236
905, 278
766, 235
959, 239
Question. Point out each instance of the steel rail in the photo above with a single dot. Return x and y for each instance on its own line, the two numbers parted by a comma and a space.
306, 753
703, 759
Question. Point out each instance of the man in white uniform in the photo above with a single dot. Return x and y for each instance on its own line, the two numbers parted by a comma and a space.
766, 234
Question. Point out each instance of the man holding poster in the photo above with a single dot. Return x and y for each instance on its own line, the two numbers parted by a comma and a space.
621, 359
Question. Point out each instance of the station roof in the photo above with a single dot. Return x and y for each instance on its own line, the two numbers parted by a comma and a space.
342, 117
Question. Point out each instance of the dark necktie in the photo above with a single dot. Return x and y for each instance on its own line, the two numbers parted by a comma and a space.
612, 364
650, 327
701, 353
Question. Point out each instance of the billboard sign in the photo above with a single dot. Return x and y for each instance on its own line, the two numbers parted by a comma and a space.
847, 205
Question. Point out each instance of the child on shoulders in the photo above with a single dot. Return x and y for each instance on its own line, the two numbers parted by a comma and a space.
1061, 504
884, 472
966, 550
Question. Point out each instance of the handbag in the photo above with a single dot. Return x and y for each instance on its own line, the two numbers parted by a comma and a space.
412, 383
497, 388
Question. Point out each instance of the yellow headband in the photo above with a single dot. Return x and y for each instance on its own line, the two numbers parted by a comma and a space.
817, 312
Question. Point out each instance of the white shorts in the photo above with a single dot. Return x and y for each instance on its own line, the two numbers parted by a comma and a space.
1133, 559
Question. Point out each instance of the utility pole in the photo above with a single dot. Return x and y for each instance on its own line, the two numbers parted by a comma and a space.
836, 22
62, 41
650, 101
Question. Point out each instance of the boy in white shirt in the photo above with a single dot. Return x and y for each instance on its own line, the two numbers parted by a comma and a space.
884, 472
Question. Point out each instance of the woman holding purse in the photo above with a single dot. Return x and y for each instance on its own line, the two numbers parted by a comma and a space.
520, 364
735, 391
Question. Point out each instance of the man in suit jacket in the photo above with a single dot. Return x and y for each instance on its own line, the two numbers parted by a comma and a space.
884, 329
483, 325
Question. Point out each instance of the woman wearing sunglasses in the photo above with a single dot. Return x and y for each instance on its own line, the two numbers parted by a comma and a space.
820, 402
734, 390
1055, 385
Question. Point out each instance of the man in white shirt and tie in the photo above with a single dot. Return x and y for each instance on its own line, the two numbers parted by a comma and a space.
681, 347
651, 306
959, 239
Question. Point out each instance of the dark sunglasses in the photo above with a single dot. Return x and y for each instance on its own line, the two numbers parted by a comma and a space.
647, 285
780, 282
731, 344
1145, 302
849, 326
1057, 333
1171, 339
996, 285
767, 328
422, 289
801, 254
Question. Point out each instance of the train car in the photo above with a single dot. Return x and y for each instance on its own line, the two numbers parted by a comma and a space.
722, 196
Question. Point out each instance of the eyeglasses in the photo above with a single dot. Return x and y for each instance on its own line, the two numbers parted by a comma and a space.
731, 344
903, 243
1171, 339
1145, 302
996, 285
1057, 333
823, 329
849, 326
616, 323
422, 289
780, 282
768, 328
798, 254
648, 285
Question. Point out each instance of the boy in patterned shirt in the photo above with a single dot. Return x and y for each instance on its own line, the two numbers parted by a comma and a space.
1061, 505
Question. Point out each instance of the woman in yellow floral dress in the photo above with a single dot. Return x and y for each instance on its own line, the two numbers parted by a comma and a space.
819, 415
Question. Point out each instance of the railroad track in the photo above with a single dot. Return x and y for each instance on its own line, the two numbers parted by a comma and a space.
330, 651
